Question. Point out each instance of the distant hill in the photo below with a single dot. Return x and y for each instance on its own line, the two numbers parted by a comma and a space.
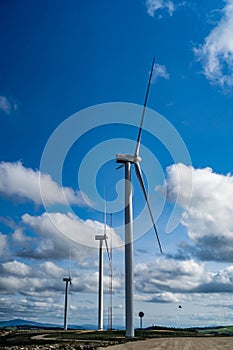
27, 324
210, 330
19, 322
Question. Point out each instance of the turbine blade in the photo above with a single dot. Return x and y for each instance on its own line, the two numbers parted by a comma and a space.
105, 213
144, 109
105, 227
106, 244
120, 166
70, 266
139, 176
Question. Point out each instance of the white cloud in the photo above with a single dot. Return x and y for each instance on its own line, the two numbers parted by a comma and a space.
57, 227
16, 268
49, 242
11, 284
155, 5
39, 288
170, 276
5, 105
160, 71
169, 280
216, 53
208, 219
52, 270
47, 278
19, 277
86, 283
58, 234
31, 308
25, 183
165, 297
19, 237
221, 281
3, 244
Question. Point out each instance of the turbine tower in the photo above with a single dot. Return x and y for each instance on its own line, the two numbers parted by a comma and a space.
68, 281
110, 282
101, 239
126, 161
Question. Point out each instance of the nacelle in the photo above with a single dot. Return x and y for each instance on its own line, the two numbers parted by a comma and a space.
100, 237
123, 158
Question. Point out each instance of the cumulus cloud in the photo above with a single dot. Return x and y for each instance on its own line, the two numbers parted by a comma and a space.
25, 183
38, 293
17, 276
216, 53
170, 276
208, 218
49, 243
159, 71
169, 280
52, 270
60, 227
5, 105
30, 308
165, 297
47, 278
10, 284
155, 5
19, 237
40, 287
3, 244
58, 234
16, 268
221, 281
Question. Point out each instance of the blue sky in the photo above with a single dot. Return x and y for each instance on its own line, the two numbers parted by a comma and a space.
63, 68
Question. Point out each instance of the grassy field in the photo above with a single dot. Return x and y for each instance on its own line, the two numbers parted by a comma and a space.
22, 338
228, 330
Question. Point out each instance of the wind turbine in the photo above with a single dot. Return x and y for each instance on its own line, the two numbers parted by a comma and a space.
110, 283
101, 239
68, 281
126, 161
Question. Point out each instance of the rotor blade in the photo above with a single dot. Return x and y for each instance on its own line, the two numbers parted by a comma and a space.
105, 227
120, 166
106, 244
144, 109
105, 214
139, 176
70, 267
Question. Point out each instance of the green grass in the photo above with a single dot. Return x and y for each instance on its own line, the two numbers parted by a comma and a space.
104, 338
24, 338
228, 330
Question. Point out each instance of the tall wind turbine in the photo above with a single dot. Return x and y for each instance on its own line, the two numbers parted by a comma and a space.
68, 281
126, 161
101, 239
110, 283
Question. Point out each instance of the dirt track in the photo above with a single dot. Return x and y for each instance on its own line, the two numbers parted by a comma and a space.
212, 343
